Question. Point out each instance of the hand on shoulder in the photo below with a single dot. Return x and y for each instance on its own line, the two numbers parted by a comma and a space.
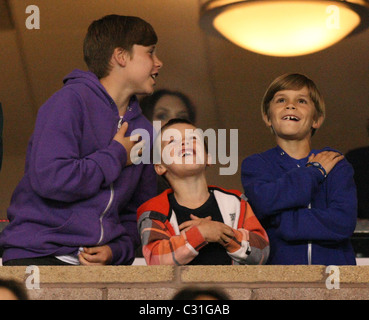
327, 159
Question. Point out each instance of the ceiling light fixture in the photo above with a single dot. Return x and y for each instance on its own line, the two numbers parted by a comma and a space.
284, 28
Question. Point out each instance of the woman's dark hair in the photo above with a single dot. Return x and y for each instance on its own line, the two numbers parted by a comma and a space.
148, 103
111, 32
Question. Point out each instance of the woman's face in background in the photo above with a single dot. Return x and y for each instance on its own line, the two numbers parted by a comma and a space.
169, 107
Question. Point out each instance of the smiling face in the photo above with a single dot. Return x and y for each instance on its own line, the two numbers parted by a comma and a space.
143, 67
182, 150
292, 115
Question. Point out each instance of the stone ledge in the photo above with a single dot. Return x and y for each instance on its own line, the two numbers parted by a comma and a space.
310, 294
186, 274
357, 274
161, 282
253, 274
96, 274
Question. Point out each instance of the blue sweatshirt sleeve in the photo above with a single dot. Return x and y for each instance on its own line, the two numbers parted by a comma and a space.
334, 223
269, 195
56, 169
290, 198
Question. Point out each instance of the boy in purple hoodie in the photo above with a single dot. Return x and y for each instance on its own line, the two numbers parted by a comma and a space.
77, 201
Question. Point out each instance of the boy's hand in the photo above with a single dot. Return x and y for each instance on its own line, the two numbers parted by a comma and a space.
328, 159
127, 142
190, 223
212, 231
94, 256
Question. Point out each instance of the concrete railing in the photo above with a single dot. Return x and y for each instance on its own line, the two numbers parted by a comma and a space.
162, 282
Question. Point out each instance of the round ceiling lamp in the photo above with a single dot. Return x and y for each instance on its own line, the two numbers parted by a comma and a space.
284, 28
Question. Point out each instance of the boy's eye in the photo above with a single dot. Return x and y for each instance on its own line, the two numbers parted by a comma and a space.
152, 50
173, 140
302, 101
279, 100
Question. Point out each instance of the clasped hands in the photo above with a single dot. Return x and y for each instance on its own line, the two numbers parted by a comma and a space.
212, 231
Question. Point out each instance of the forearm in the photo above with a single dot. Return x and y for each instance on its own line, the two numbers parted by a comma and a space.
332, 219
332, 224
251, 243
72, 179
248, 248
162, 248
269, 195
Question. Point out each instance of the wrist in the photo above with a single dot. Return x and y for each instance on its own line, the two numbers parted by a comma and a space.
317, 165
195, 238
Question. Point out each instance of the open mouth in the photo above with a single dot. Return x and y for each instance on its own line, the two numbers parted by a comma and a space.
186, 152
154, 75
291, 118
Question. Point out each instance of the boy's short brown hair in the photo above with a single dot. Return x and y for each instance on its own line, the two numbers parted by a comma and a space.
293, 81
111, 32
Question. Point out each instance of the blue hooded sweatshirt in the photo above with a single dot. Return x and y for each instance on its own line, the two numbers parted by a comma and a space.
309, 219
76, 190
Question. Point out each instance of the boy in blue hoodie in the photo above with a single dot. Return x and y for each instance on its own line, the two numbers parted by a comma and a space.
304, 198
77, 201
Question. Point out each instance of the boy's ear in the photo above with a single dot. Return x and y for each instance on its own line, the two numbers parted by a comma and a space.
268, 123
318, 122
160, 169
120, 56
267, 120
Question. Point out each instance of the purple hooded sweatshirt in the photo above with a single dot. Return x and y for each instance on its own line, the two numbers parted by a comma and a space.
76, 190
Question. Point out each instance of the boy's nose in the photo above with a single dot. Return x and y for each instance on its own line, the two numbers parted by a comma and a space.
291, 106
186, 142
158, 63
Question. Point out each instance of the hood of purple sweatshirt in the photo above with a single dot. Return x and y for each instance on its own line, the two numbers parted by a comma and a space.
76, 190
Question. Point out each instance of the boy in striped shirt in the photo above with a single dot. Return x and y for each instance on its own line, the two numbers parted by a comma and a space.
193, 223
